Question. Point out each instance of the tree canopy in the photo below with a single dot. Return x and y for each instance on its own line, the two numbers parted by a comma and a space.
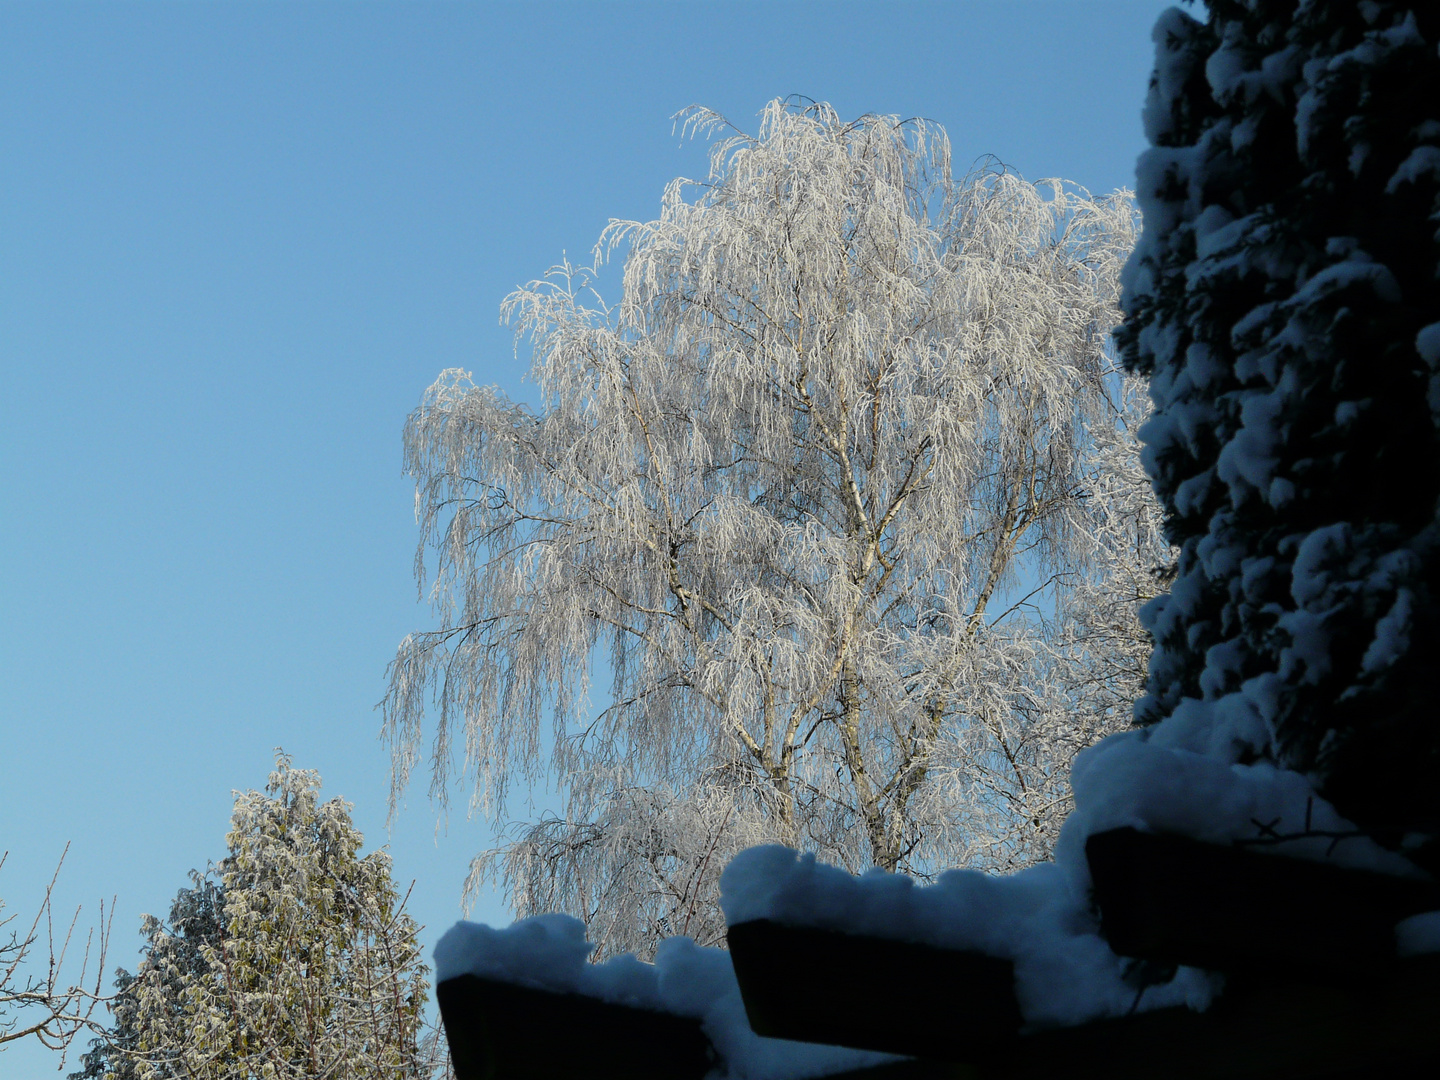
804, 490
293, 957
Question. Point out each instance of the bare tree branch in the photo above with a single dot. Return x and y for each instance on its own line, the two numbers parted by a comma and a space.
45, 1006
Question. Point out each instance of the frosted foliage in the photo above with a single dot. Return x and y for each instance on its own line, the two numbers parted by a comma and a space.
313, 969
802, 490
1095, 664
1128, 562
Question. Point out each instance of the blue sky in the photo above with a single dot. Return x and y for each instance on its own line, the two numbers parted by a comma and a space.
236, 244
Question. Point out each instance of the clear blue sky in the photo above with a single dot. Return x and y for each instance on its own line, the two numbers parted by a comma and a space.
237, 241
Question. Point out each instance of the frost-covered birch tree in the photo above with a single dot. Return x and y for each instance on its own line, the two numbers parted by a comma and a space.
803, 491
1102, 651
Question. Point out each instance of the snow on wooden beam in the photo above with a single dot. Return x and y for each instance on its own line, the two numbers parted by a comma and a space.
1258, 1030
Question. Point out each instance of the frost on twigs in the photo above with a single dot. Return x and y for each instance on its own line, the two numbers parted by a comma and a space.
815, 490
36, 1001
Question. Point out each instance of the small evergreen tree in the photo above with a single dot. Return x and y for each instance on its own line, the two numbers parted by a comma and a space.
173, 958
1283, 301
293, 958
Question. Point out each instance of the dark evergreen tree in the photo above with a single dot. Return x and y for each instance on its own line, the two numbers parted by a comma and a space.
1284, 302
174, 951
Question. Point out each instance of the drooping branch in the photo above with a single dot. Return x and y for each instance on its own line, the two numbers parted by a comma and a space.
841, 409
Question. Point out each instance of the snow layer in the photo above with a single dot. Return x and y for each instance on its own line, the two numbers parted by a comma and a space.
1064, 971
1177, 777
1180, 776
549, 952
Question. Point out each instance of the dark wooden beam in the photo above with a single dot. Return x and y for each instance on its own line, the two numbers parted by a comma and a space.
1180, 901
1257, 1030
504, 1031
871, 993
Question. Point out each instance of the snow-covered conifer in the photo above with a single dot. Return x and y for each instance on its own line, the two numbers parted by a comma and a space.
172, 959
294, 958
1284, 303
